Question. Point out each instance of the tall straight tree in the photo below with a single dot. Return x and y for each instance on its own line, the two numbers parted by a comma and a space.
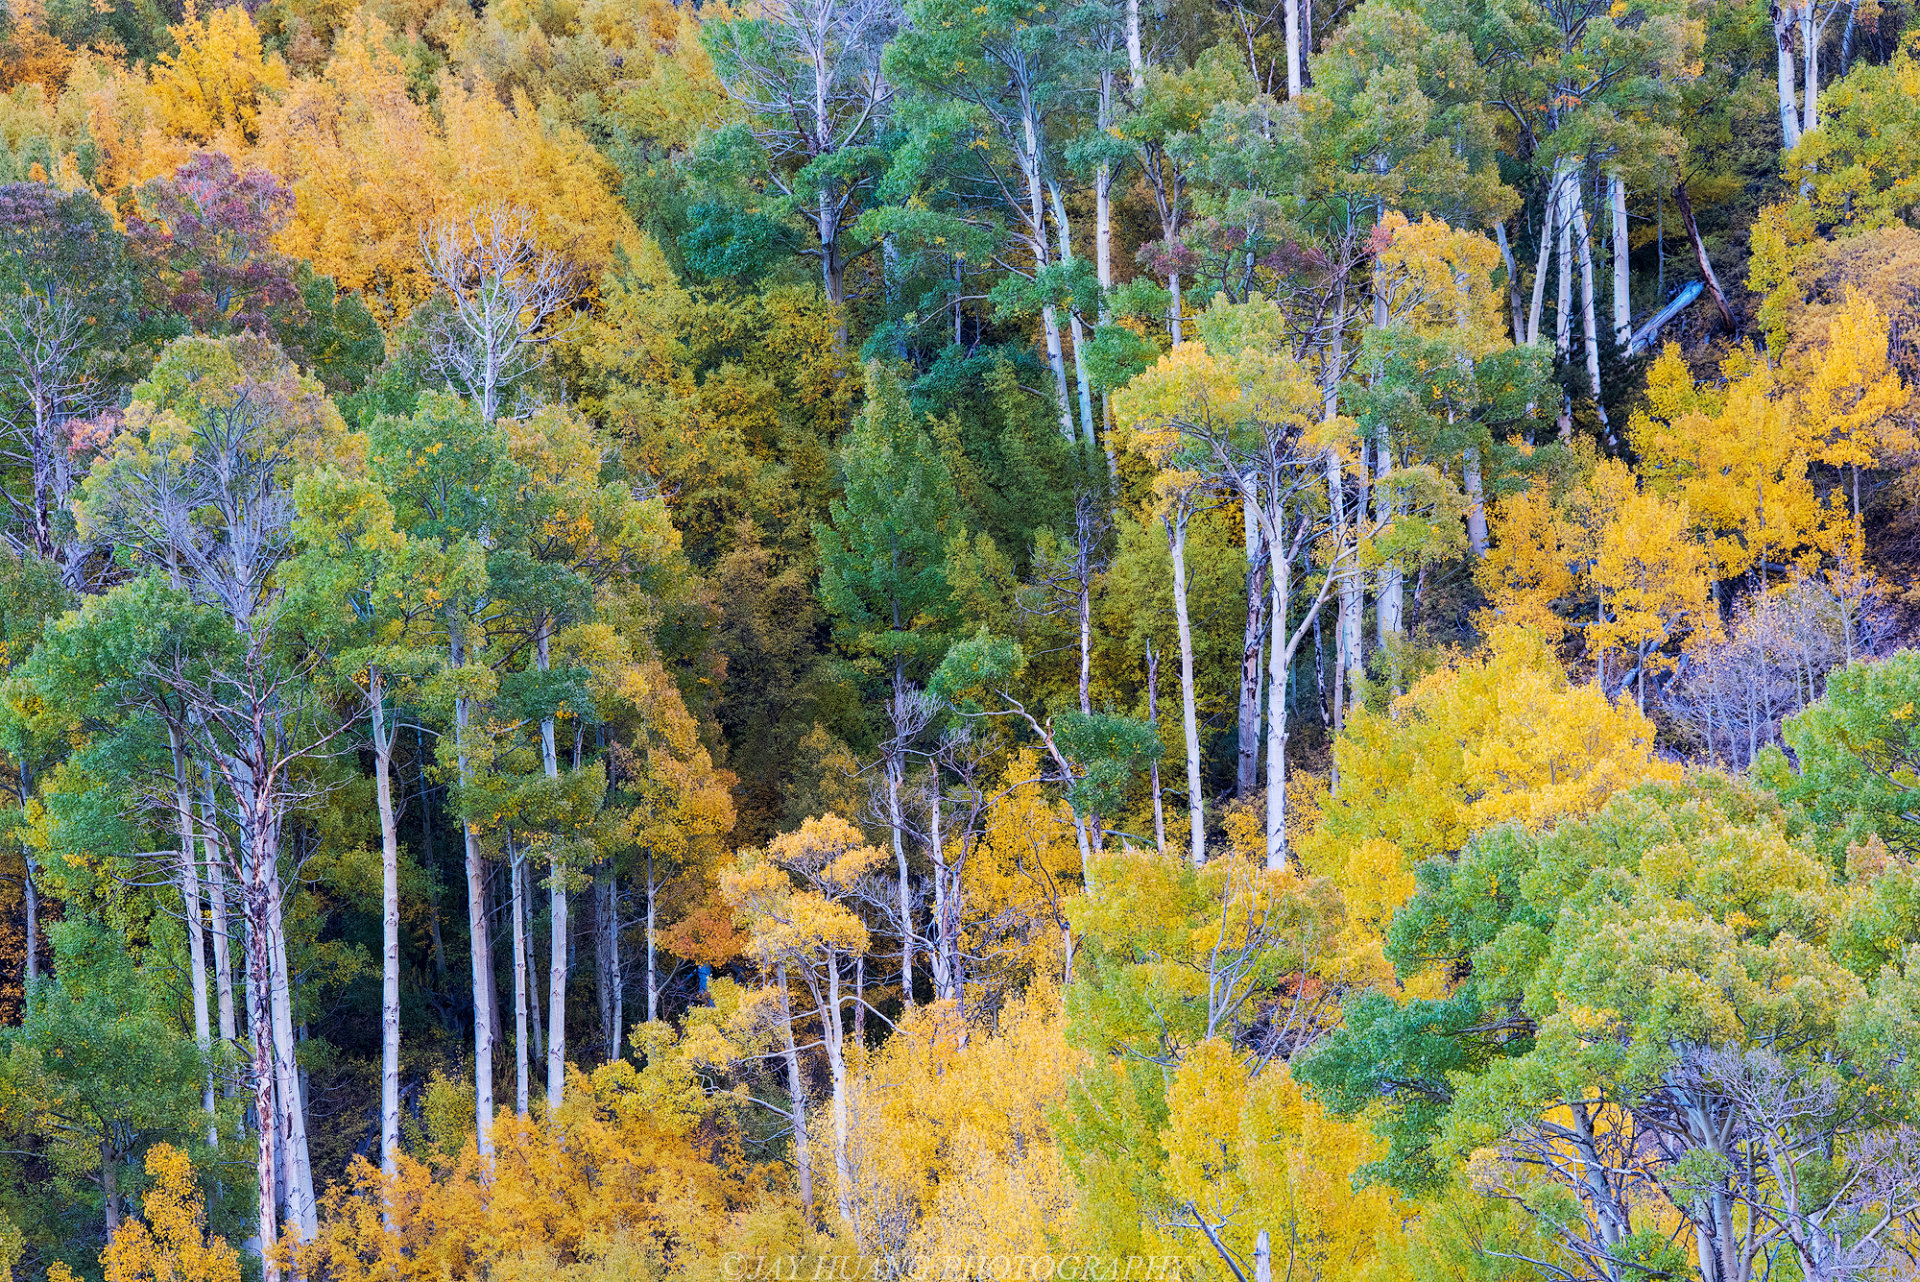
883, 579
808, 74
201, 479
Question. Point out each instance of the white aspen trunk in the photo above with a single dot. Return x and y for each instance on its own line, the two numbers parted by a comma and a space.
1549, 225
606, 939
653, 987
267, 1161
536, 1019
1353, 601
940, 956
389, 925
1810, 33
517, 877
1136, 56
1563, 314
303, 1207
213, 848
896, 822
1476, 502
1390, 598
797, 1107
1253, 633
1783, 23
1153, 767
1279, 656
1189, 713
481, 946
830, 1038
1589, 328
559, 936
1293, 49
196, 937
1513, 284
1082, 383
1622, 252
557, 991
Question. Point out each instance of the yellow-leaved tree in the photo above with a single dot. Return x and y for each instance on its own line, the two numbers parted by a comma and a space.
1736, 455
1854, 397
1651, 575
168, 1241
1504, 736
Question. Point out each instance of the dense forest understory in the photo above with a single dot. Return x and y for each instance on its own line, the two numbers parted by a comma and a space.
959, 639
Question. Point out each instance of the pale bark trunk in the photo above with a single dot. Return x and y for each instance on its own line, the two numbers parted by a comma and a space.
1153, 767
389, 926
945, 978
213, 846
653, 986
1549, 225
1589, 326
896, 822
517, 878
1390, 598
195, 926
1622, 252
606, 947
32, 891
1279, 656
1563, 297
830, 1036
1196, 806
1136, 56
797, 1107
1082, 383
482, 948
1513, 285
1783, 75
303, 1207
267, 1163
559, 937
1476, 502
1253, 633
1293, 48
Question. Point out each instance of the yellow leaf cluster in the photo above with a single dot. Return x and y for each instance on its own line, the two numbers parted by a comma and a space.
170, 1243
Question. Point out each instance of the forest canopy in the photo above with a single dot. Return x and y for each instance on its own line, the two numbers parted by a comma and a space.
909, 638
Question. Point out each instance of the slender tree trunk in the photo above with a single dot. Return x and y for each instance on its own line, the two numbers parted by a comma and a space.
1700, 255
1153, 766
1783, 23
267, 1163
1476, 502
517, 878
195, 926
1549, 224
389, 925
1293, 48
558, 932
1589, 327
941, 953
32, 891
896, 821
831, 1040
213, 846
1081, 381
1563, 297
1513, 285
1253, 634
1622, 252
1176, 524
1389, 602
796, 1107
1136, 56
303, 1206
653, 985
482, 947
1279, 656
